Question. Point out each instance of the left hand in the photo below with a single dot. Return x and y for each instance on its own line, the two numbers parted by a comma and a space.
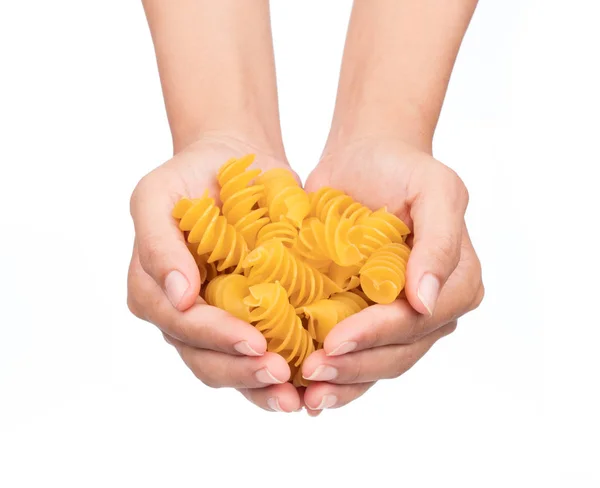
443, 273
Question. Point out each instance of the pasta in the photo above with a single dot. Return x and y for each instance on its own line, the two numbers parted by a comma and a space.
345, 277
325, 314
376, 230
228, 293
325, 197
292, 264
240, 199
284, 197
211, 231
208, 271
311, 244
272, 314
273, 262
383, 275
284, 231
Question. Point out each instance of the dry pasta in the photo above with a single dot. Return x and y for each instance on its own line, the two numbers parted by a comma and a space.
285, 231
284, 197
211, 232
240, 199
378, 229
273, 262
292, 264
228, 293
325, 314
383, 275
275, 318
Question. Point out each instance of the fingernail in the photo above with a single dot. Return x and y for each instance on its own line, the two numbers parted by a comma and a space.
343, 348
327, 401
265, 376
244, 348
323, 373
428, 291
175, 287
273, 404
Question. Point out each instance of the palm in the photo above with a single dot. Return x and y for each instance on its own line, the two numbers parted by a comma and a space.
193, 171
376, 174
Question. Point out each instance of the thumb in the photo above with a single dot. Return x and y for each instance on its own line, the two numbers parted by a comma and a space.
162, 248
437, 213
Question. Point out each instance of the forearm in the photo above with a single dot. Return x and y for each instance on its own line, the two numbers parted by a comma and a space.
217, 68
397, 63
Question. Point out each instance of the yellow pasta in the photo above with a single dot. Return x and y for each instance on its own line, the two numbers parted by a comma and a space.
383, 275
311, 246
272, 314
211, 231
284, 197
325, 314
228, 293
376, 230
208, 271
273, 262
285, 231
345, 277
239, 198
324, 198
292, 264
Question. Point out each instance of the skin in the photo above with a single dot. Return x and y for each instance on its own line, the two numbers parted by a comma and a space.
217, 72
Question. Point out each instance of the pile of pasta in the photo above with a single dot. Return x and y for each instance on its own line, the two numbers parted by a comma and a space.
291, 263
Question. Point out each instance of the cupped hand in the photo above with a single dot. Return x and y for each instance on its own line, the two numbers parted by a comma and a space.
164, 280
443, 273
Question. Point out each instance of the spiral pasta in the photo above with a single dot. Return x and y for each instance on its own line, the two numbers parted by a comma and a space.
208, 271
228, 293
284, 197
272, 314
325, 197
285, 231
345, 277
311, 244
211, 231
376, 230
292, 264
240, 198
273, 262
383, 275
325, 314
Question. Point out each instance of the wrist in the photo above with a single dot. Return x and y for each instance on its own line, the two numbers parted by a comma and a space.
380, 120
256, 131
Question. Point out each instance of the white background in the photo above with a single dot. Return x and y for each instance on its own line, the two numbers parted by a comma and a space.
90, 396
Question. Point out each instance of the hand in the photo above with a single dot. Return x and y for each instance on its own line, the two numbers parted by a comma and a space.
164, 281
443, 272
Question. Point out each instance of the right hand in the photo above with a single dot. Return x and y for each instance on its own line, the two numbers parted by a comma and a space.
164, 281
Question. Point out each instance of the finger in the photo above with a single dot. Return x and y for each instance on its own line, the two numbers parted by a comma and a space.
370, 364
320, 396
217, 369
201, 326
276, 398
399, 323
162, 249
437, 212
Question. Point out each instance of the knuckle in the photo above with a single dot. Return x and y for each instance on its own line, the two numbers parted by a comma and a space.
204, 376
402, 365
138, 192
479, 295
451, 327
457, 186
133, 306
150, 252
446, 250
354, 371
